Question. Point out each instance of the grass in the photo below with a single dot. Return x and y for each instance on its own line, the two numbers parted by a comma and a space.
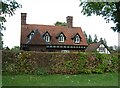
107, 79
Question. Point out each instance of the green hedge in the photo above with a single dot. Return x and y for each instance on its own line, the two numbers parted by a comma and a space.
41, 63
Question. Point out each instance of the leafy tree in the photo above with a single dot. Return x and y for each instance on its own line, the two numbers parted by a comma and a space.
7, 7
85, 35
95, 39
101, 39
105, 42
109, 10
60, 23
89, 40
1, 42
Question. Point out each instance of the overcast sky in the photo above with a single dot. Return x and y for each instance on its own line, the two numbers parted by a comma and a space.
47, 12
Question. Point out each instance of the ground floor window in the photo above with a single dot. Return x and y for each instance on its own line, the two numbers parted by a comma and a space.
65, 51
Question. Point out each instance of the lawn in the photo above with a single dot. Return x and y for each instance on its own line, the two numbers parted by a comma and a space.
107, 79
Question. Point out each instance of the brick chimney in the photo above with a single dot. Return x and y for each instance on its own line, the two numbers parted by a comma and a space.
69, 21
23, 18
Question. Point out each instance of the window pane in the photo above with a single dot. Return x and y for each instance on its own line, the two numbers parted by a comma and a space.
61, 38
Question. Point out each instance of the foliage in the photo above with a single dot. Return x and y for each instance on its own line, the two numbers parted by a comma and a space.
8, 63
1, 42
104, 41
41, 71
40, 63
15, 49
89, 39
85, 34
60, 23
95, 39
6, 7
109, 10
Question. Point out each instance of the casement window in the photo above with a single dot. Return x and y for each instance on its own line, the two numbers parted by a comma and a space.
101, 49
61, 38
77, 39
46, 37
31, 35
65, 51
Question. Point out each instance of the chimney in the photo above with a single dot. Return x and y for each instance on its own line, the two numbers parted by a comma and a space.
69, 21
23, 18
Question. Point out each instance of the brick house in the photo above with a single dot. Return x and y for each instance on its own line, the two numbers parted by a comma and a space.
50, 38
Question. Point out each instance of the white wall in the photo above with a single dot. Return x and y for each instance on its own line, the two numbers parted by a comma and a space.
106, 50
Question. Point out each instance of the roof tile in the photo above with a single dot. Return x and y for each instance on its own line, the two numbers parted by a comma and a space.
53, 31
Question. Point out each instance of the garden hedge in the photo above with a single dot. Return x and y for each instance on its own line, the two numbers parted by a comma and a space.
27, 62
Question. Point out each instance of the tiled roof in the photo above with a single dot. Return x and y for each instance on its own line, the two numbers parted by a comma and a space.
93, 47
53, 31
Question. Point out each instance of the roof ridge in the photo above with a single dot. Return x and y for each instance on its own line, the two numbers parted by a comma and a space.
50, 25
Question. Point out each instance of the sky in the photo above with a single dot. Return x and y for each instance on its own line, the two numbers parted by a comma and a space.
47, 12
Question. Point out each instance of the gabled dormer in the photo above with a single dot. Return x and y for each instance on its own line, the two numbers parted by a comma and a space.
61, 37
47, 36
31, 35
76, 38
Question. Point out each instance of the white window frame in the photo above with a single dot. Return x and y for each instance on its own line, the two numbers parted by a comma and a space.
65, 51
61, 38
47, 37
101, 50
31, 35
77, 39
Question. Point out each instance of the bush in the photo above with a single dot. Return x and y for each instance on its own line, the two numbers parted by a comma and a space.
61, 63
41, 71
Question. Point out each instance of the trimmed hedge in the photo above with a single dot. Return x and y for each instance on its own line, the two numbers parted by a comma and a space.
41, 63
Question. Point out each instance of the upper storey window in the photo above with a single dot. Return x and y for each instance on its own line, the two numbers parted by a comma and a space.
61, 38
46, 37
31, 35
77, 39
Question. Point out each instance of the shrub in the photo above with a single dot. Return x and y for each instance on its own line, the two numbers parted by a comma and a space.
42, 63
41, 71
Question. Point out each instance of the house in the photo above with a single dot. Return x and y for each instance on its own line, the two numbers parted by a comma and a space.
50, 38
99, 47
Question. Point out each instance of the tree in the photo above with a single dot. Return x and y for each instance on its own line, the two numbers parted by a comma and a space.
95, 39
60, 23
104, 41
6, 7
109, 10
1, 42
89, 40
85, 35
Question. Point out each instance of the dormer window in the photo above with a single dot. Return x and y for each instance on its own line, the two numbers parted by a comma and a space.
31, 35
61, 38
46, 37
76, 38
